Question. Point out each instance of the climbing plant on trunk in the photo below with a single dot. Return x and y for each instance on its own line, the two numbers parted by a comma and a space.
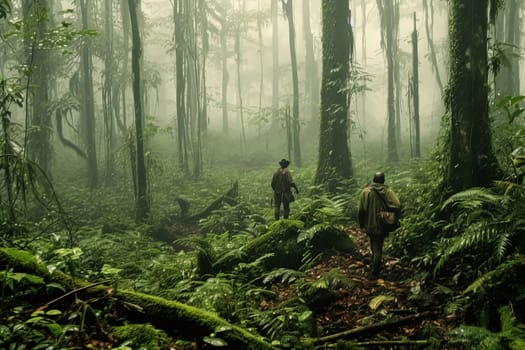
335, 161
36, 23
469, 157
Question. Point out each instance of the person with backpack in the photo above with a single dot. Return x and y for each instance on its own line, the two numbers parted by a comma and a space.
377, 202
282, 184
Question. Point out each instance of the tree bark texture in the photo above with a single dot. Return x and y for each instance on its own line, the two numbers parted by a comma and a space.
334, 155
36, 23
471, 161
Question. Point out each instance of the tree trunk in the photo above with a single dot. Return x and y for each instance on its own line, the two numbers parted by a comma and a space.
471, 161
288, 5
430, 40
389, 40
275, 65
142, 201
415, 90
88, 105
508, 33
225, 76
182, 141
334, 155
124, 8
36, 20
239, 84
311, 79
107, 91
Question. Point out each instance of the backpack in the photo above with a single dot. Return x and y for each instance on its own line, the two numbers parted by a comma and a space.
387, 218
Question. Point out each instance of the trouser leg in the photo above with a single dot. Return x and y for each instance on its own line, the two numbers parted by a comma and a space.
286, 209
277, 198
376, 245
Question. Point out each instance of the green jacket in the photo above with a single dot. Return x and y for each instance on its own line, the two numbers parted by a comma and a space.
370, 204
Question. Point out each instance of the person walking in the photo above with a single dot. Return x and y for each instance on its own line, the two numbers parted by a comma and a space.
376, 198
282, 184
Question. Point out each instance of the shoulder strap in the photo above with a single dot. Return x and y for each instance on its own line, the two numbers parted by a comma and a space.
380, 196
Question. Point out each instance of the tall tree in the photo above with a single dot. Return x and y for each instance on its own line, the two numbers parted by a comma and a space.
36, 22
429, 25
223, 34
389, 42
311, 77
275, 63
142, 201
470, 160
182, 139
88, 104
335, 161
415, 92
288, 8
107, 90
508, 36
238, 60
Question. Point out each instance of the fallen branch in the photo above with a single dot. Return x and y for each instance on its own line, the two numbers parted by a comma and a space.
387, 343
176, 318
228, 198
73, 292
373, 327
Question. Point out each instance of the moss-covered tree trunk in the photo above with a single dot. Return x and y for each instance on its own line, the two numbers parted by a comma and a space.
335, 161
36, 21
470, 158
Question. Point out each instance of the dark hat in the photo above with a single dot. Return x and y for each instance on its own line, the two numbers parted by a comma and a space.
379, 178
284, 163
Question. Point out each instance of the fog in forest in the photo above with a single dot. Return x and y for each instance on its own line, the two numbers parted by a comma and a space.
368, 78
262, 174
368, 109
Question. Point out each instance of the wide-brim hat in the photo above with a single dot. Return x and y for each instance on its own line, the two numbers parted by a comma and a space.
284, 163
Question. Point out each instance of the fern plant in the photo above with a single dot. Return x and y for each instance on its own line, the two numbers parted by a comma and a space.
511, 336
485, 226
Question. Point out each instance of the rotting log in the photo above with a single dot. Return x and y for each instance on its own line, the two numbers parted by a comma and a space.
375, 327
173, 317
228, 198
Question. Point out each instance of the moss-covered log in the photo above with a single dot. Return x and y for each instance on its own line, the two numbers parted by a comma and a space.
282, 242
173, 317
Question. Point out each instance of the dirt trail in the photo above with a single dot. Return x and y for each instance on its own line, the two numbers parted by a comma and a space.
387, 299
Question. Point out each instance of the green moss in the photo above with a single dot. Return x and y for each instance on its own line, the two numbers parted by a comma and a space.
143, 336
281, 240
188, 321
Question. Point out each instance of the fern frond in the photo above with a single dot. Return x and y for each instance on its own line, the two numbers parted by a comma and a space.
284, 275
498, 275
473, 198
477, 234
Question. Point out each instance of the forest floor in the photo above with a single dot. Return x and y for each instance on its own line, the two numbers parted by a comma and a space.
391, 310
